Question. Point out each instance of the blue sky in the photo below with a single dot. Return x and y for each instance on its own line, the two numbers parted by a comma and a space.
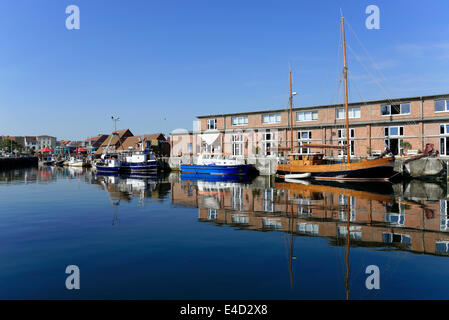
158, 64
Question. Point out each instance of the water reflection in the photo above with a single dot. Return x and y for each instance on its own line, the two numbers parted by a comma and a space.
389, 219
410, 217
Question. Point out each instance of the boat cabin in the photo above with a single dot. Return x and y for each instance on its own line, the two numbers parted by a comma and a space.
306, 159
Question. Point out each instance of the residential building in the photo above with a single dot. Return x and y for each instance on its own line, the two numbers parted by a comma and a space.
45, 141
155, 142
92, 144
404, 125
115, 141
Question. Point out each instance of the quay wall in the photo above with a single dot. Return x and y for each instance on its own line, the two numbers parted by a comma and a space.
426, 168
11, 163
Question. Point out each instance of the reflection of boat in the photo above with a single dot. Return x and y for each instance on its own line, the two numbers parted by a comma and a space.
305, 190
47, 161
379, 169
215, 164
215, 177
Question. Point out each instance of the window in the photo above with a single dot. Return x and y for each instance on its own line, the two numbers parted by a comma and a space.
268, 142
307, 228
441, 105
394, 131
444, 218
307, 116
444, 141
240, 121
354, 113
237, 145
211, 124
271, 118
442, 247
237, 198
396, 238
268, 200
272, 223
212, 214
239, 218
355, 232
395, 109
342, 141
304, 138
396, 219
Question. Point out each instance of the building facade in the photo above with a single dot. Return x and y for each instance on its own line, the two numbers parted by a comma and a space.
45, 141
403, 125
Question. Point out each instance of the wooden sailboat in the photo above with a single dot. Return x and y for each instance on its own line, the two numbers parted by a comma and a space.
380, 169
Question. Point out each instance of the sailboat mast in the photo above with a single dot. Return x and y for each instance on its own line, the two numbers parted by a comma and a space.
345, 74
291, 112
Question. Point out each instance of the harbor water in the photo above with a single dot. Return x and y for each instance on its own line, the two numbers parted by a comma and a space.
165, 237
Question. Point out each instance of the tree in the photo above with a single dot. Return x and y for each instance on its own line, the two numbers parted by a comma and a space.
8, 143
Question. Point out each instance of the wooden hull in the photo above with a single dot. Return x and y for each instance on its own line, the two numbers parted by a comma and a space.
371, 170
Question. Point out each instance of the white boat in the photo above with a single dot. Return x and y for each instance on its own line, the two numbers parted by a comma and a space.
74, 162
298, 175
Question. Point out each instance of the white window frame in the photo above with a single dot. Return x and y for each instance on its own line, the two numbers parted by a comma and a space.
302, 116
268, 142
446, 105
239, 121
211, 124
271, 118
400, 110
304, 141
351, 113
237, 145
342, 141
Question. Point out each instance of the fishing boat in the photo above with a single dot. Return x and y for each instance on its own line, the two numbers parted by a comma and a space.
138, 161
378, 169
108, 164
216, 164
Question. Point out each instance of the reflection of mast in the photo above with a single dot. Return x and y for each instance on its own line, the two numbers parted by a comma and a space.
291, 257
348, 217
115, 203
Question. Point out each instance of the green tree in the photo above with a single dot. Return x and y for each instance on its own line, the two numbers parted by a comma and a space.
8, 143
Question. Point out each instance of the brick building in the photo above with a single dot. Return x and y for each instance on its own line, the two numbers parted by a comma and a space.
405, 125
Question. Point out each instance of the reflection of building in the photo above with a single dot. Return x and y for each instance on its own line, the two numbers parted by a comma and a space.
314, 210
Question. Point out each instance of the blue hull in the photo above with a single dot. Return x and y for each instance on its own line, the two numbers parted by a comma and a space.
139, 167
215, 170
104, 169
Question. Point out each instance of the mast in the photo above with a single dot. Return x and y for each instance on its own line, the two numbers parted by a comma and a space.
345, 73
291, 112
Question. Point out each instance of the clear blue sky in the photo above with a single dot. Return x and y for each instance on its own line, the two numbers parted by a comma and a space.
158, 64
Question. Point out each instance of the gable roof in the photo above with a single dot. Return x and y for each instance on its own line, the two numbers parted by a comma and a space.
115, 137
134, 141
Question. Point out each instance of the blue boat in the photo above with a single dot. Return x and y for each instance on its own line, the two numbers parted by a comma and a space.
109, 166
215, 164
138, 161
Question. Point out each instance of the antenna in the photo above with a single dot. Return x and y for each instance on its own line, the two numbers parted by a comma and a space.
115, 119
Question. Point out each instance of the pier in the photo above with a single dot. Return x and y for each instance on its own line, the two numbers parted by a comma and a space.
20, 162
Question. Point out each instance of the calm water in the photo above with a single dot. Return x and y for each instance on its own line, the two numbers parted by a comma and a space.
166, 238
